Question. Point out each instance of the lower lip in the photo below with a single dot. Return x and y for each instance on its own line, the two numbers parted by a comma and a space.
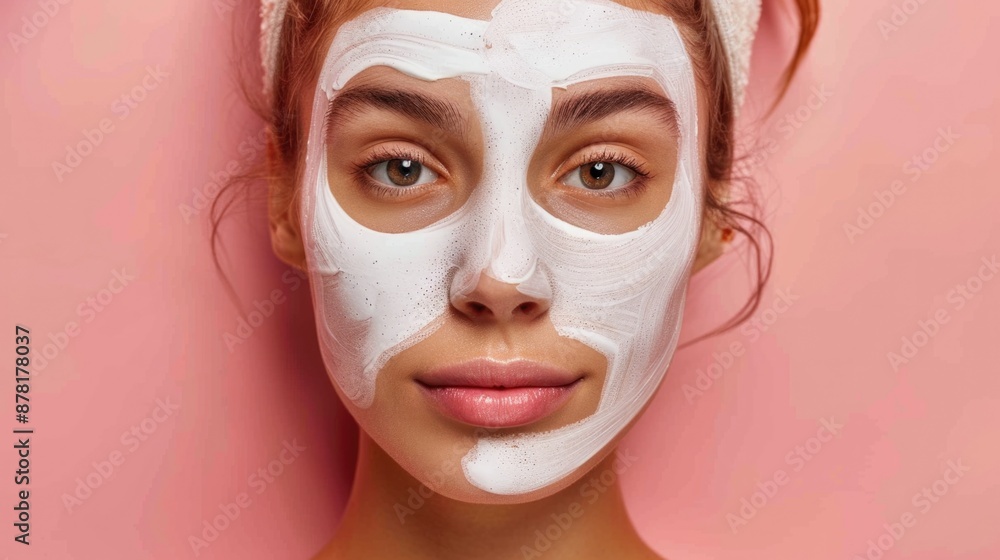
498, 408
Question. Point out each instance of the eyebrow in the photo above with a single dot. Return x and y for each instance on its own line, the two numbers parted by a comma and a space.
570, 112
586, 108
409, 104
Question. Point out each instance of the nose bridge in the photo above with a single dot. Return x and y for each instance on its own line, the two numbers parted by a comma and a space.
511, 258
513, 118
503, 278
502, 265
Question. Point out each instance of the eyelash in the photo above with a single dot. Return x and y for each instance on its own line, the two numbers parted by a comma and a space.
383, 155
637, 186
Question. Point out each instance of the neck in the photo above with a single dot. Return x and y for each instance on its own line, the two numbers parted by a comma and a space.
391, 515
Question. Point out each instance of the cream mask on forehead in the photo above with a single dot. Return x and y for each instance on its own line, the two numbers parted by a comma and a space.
377, 294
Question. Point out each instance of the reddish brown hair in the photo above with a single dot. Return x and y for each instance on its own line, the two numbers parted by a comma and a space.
307, 28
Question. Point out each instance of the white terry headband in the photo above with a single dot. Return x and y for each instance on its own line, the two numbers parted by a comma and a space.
737, 21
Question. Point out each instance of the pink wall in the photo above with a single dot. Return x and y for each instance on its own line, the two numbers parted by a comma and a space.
108, 246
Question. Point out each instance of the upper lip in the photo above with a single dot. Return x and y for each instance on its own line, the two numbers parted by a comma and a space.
489, 373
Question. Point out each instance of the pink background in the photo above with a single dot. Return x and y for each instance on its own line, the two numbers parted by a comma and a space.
824, 356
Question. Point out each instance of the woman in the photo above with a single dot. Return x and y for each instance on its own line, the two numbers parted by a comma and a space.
499, 206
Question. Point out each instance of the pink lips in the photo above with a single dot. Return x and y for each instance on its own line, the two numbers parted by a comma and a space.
494, 394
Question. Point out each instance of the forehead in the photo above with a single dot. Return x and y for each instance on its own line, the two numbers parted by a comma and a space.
474, 9
481, 9
347, 11
530, 44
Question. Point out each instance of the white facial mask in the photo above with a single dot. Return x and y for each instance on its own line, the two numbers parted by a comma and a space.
377, 294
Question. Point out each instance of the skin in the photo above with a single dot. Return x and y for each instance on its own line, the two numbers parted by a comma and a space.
406, 447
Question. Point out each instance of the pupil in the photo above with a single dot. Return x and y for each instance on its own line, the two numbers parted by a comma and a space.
403, 172
597, 175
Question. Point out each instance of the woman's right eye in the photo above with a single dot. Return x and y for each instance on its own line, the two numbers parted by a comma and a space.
401, 173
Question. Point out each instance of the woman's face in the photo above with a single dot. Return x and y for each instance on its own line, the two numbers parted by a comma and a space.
500, 212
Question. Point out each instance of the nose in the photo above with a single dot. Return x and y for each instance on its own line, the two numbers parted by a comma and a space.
493, 300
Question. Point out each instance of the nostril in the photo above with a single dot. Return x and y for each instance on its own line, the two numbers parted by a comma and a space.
477, 307
492, 300
527, 307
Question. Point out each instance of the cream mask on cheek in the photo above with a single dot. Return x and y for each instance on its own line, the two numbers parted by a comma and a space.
377, 294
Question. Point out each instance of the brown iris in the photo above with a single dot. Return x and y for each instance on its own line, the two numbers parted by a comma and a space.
403, 172
597, 175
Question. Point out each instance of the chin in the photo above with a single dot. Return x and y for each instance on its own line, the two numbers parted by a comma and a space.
430, 448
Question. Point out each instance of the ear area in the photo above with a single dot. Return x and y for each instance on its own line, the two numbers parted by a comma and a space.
711, 245
282, 210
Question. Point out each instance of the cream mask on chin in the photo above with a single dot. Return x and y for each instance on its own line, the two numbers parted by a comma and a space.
376, 294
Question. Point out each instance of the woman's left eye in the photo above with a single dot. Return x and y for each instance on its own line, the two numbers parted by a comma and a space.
402, 173
599, 176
